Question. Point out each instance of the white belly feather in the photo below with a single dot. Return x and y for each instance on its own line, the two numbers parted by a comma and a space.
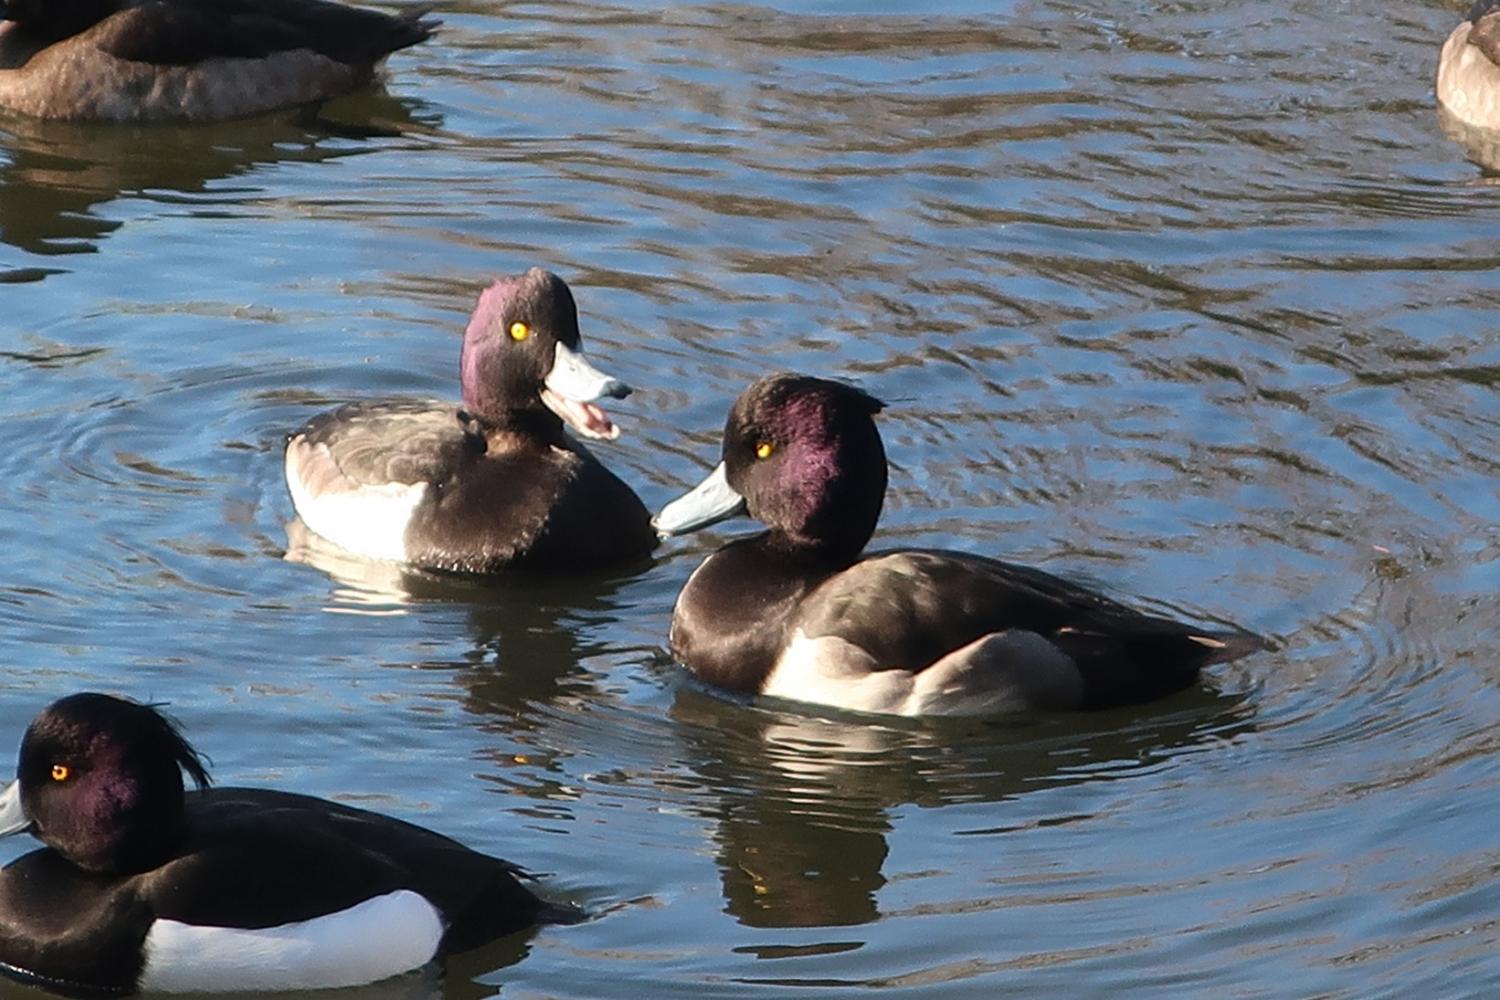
369, 520
1008, 671
373, 940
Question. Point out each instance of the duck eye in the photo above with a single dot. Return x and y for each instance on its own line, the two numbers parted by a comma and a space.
519, 331
61, 772
764, 449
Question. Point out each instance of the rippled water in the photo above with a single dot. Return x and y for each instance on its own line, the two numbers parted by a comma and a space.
1194, 300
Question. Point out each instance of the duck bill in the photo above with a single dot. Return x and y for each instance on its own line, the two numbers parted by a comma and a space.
571, 390
710, 501
13, 818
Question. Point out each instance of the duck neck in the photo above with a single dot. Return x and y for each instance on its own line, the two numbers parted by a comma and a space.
536, 423
733, 616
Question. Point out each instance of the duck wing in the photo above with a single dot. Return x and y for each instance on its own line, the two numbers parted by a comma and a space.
911, 609
379, 444
184, 32
259, 857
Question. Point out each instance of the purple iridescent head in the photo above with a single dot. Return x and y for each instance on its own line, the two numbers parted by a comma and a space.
522, 356
100, 782
802, 456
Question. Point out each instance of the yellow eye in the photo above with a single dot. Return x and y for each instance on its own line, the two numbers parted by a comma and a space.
61, 772
519, 331
764, 449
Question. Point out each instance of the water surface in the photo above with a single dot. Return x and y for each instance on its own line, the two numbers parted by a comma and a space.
1195, 301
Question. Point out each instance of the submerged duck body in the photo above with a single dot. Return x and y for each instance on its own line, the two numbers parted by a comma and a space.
143, 886
1468, 74
189, 60
493, 484
799, 613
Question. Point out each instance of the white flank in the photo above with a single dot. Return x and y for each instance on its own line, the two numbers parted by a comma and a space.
833, 671
1006, 671
373, 940
369, 520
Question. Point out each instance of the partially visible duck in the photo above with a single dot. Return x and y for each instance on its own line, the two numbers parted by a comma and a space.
495, 484
797, 612
192, 60
145, 886
1468, 73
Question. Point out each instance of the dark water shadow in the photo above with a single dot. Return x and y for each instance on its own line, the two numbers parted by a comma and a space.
804, 801
55, 176
525, 649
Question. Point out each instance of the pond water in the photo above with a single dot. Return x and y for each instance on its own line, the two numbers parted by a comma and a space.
1195, 301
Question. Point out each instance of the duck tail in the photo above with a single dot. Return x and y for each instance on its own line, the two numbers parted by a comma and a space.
560, 913
419, 25
1221, 647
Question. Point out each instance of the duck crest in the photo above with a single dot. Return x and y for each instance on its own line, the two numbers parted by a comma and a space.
127, 809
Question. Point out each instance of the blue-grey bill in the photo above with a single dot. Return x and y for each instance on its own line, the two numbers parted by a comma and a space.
572, 387
710, 501
13, 818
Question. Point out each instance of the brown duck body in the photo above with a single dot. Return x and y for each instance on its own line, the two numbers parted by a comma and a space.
1468, 73
189, 60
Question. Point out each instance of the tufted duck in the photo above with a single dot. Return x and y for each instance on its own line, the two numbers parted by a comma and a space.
193, 60
493, 485
1468, 73
797, 613
143, 886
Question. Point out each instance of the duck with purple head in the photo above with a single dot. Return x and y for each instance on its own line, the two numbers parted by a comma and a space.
798, 612
143, 885
495, 484
190, 60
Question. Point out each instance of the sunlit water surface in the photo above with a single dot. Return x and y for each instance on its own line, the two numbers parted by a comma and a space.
1195, 301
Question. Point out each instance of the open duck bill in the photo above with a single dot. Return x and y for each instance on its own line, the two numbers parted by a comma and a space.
13, 818
709, 502
571, 389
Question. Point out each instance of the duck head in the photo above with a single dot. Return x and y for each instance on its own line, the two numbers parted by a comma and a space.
522, 353
802, 456
100, 781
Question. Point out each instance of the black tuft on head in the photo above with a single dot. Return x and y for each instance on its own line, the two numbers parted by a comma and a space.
101, 781
1481, 8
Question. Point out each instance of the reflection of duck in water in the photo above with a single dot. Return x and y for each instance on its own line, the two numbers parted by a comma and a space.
54, 174
807, 805
192, 60
797, 613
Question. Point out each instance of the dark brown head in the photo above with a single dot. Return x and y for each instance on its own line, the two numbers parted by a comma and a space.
522, 357
100, 781
803, 456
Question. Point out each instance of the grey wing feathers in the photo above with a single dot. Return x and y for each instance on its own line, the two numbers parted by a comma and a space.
910, 608
374, 444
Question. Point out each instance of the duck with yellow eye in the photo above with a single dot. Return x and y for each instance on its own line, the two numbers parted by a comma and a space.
801, 612
143, 885
495, 484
